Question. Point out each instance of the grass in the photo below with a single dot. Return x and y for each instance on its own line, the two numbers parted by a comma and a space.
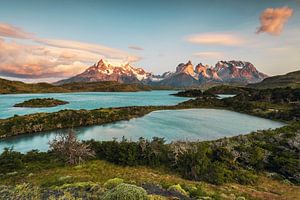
100, 171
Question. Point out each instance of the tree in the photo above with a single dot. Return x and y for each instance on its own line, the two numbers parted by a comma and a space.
70, 149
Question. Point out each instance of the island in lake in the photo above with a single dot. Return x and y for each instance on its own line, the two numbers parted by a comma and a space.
40, 103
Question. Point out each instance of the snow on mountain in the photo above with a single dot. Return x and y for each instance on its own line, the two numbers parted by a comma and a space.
185, 75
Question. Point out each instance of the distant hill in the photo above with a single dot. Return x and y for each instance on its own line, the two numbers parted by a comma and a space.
13, 87
17, 87
291, 79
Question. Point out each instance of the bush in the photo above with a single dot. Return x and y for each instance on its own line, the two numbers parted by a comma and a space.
178, 188
111, 183
157, 197
10, 161
126, 192
70, 149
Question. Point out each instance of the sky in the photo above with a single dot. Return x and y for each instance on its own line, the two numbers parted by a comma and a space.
49, 40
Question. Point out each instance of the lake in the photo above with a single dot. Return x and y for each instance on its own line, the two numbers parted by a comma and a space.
88, 100
190, 124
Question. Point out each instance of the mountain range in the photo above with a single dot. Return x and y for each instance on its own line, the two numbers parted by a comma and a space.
185, 75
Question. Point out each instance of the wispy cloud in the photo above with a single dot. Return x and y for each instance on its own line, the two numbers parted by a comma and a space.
49, 58
136, 48
7, 30
101, 50
209, 54
215, 39
272, 20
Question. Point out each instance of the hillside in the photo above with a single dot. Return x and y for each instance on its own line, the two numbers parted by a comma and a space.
291, 79
14, 87
18, 87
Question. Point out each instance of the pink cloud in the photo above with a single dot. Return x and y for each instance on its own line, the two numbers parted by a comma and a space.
51, 58
136, 48
209, 54
215, 39
31, 61
7, 30
272, 20
101, 50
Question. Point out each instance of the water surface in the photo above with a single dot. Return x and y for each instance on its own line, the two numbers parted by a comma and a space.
88, 100
190, 124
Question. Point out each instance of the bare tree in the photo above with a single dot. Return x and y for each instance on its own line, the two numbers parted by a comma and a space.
72, 150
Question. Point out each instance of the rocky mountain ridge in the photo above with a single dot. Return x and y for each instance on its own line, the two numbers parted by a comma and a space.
186, 74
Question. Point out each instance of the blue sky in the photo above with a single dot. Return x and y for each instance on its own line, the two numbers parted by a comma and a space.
161, 31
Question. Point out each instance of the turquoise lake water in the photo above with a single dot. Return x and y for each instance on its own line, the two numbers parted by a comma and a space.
88, 100
190, 124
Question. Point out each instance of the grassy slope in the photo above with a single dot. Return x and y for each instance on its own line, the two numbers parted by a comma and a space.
16, 87
291, 79
100, 171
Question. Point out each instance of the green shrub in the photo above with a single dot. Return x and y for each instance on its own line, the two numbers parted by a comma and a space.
10, 161
157, 197
196, 191
178, 188
111, 183
126, 192
26, 191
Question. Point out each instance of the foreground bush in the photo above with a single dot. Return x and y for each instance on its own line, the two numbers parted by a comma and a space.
178, 188
111, 183
10, 161
126, 192
70, 149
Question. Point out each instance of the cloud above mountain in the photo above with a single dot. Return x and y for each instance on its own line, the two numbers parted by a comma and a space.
209, 54
7, 30
50, 58
136, 48
272, 20
215, 39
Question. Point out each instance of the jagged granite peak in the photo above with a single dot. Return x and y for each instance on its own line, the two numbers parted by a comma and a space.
105, 71
238, 71
185, 75
187, 68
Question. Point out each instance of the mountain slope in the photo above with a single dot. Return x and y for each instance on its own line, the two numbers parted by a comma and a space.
186, 75
103, 71
291, 79
233, 72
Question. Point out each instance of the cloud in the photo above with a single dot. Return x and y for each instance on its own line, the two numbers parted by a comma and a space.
32, 61
209, 54
136, 48
52, 58
215, 39
7, 30
272, 20
101, 50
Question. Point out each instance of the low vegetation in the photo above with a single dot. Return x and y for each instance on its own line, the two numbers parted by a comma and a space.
159, 168
70, 149
39, 103
195, 93
261, 165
